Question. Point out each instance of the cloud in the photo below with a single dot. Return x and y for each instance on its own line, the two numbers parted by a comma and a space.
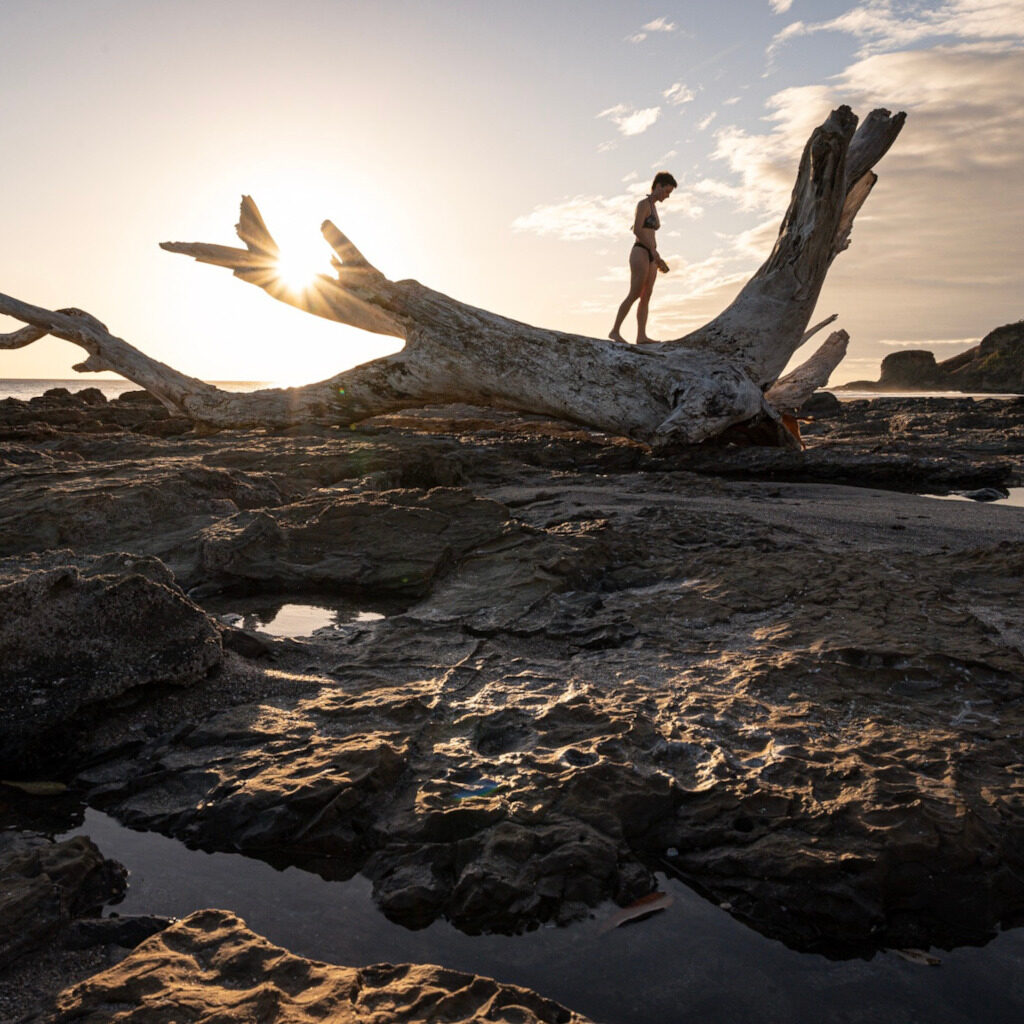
630, 121
704, 122
657, 25
677, 94
584, 217
963, 119
715, 188
580, 217
780, 6
936, 252
884, 25
929, 343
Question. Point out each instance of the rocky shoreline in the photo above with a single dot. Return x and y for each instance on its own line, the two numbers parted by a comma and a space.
995, 364
769, 673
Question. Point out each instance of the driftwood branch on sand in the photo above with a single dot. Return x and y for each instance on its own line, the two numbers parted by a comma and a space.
677, 392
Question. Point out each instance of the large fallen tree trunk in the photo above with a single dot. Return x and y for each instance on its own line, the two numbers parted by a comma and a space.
676, 392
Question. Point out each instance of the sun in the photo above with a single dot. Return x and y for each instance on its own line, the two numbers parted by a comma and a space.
302, 258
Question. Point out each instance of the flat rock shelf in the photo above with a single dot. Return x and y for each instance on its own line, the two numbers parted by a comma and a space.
777, 679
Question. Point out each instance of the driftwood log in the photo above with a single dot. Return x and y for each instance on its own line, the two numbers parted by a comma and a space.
719, 379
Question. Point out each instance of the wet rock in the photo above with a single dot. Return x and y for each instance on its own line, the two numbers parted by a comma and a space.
141, 398
395, 542
91, 396
46, 885
986, 494
126, 932
604, 655
76, 639
821, 405
775, 705
211, 965
142, 505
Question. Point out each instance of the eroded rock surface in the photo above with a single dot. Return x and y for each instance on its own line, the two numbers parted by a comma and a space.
395, 542
812, 727
210, 966
78, 634
804, 699
46, 885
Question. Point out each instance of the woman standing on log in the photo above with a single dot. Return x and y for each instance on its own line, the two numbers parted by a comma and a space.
644, 261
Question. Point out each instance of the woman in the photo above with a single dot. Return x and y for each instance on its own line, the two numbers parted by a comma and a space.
644, 261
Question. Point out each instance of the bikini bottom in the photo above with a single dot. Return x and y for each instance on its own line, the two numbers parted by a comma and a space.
640, 245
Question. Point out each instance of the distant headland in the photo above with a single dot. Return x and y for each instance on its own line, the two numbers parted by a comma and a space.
995, 364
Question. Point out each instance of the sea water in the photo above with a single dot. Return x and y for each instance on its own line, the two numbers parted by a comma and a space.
30, 387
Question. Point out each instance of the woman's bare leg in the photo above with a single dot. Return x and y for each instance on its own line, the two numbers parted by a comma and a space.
639, 262
645, 303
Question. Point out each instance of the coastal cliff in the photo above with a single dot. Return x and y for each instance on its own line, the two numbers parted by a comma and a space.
996, 364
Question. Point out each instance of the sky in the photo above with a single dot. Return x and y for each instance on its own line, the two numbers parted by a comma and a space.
495, 152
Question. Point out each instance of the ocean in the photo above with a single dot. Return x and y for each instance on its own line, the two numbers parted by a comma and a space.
30, 387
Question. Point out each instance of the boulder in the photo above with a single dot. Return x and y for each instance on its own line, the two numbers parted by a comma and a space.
76, 638
46, 885
822, 405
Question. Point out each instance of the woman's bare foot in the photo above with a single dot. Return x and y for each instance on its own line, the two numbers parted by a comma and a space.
615, 336
647, 341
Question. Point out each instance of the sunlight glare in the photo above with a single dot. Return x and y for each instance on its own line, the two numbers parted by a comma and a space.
293, 210
302, 259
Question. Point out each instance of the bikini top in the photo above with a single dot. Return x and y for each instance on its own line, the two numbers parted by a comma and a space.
651, 220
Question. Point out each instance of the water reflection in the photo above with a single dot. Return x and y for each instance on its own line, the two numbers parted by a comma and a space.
691, 962
287, 616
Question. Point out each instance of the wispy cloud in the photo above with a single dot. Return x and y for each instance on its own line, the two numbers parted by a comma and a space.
583, 217
885, 25
657, 25
678, 94
580, 217
703, 123
928, 343
780, 6
630, 121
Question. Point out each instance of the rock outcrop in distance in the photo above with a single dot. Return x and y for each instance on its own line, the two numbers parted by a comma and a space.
996, 364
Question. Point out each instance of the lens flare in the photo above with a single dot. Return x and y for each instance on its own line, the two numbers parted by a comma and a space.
298, 268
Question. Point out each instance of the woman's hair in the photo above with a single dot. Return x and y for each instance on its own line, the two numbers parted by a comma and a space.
664, 178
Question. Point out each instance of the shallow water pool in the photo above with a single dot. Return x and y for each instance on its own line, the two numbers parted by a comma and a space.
691, 962
290, 615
